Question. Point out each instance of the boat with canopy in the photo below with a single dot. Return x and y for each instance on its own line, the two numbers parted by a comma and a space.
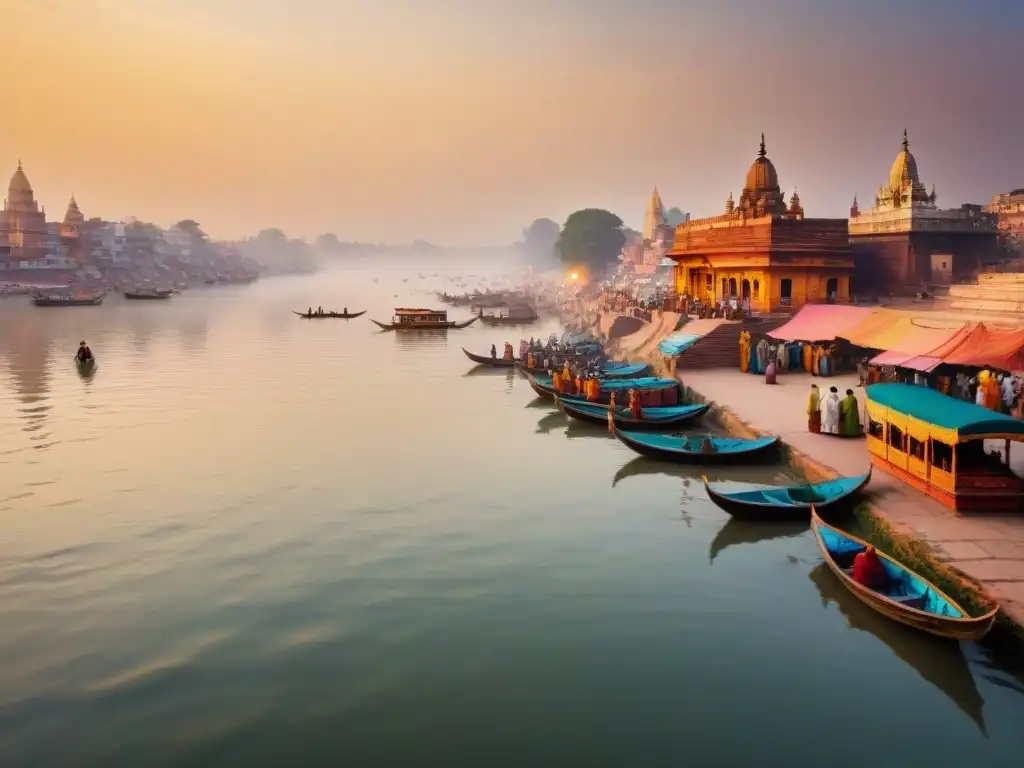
406, 319
936, 444
906, 596
788, 502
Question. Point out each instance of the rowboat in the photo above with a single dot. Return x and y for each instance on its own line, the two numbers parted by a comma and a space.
664, 417
544, 387
789, 502
497, 362
337, 315
85, 367
144, 294
702, 449
907, 597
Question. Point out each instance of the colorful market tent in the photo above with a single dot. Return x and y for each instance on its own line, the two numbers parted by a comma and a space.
821, 322
895, 331
986, 347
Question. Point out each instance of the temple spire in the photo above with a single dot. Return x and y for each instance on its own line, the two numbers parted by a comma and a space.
762, 152
906, 141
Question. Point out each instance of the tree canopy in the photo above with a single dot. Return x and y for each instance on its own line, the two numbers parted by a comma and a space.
675, 216
540, 237
592, 237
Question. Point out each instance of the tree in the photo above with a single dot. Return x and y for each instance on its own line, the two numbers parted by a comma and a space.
592, 237
193, 230
540, 237
327, 243
674, 216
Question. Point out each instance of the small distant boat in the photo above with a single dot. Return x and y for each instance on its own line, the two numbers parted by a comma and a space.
422, 320
497, 362
85, 366
341, 315
656, 418
907, 597
700, 449
788, 502
68, 299
148, 294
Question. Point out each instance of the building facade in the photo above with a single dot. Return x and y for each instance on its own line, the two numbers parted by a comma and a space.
906, 242
1008, 210
762, 253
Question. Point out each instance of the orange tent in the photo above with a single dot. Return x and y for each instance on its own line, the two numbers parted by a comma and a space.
986, 347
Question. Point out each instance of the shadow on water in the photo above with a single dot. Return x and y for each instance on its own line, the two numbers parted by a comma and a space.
736, 532
583, 429
487, 370
942, 663
642, 465
549, 422
544, 403
411, 340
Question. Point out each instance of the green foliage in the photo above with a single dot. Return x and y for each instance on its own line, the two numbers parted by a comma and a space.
540, 237
675, 216
592, 237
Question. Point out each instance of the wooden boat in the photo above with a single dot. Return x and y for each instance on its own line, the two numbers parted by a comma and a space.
544, 387
691, 449
935, 443
517, 315
85, 367
68, 300
655, 418
907, 597
145, 294
496, 362
337, 315
788, 502
422, 320
614, 370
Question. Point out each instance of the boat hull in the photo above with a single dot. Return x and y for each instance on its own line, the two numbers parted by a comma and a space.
963, 627
740, 505
47, 302
490, 320
494, 362
333, 315
450, 325
596, 413
147, 296
728, 451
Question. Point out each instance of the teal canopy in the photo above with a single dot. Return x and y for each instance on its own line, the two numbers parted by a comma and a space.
677, 343
943, 411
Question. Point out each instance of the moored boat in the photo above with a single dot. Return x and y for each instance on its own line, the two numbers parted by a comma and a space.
652, 390
703, 449
496, 362
335, 315
78, 299
906, 597
789, 502
406, 319
624, 370
655, 418
145, 293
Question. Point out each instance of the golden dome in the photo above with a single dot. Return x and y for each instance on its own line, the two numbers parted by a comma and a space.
762, 175
19, 183
903, 173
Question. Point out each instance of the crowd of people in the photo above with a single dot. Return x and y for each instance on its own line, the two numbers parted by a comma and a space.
831, 416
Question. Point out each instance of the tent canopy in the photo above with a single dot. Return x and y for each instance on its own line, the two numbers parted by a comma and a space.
893, 331
986, 347
821, 322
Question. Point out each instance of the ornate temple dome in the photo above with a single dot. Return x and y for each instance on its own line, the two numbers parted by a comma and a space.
73, 215
762, 175
19, 192
903, 174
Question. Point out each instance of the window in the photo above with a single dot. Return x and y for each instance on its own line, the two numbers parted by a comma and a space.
786, 292
897, 440
917, 449
710, 282
876, 429
942, 456
757, 288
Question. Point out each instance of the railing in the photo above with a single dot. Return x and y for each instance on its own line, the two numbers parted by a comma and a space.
786, 301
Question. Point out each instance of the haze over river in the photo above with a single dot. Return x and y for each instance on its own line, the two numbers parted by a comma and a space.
253, 539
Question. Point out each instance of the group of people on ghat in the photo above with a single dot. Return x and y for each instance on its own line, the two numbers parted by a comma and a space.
771, 359
832, 416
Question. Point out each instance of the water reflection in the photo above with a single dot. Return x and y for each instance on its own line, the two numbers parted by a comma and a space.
940, 662
642, 465
583, 429
550, 421
736, 532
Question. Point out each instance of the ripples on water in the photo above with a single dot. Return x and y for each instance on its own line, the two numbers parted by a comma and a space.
254, 539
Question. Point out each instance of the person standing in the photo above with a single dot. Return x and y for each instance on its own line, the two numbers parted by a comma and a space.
814, 410
830, 423
849, 411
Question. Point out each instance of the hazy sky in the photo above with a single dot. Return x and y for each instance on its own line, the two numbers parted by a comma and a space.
460, 121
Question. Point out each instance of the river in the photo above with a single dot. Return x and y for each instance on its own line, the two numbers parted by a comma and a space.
253, 539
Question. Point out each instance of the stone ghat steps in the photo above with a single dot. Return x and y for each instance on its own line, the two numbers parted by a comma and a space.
997, 307
720, 348
998, 292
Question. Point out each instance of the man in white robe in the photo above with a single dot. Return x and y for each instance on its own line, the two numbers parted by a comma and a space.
830, 412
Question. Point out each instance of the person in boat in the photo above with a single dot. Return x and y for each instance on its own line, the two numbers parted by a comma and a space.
345, 311
707, 445
84, 353
319, 310
611, 411
830, 424
494, 352
849, 412
814, 410
634, 405
309, 312
868, 569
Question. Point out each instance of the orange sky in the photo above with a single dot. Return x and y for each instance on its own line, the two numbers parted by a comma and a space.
460, 122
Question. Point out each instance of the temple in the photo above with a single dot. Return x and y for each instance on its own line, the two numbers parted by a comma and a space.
763, 253
906, 241
654, 217
27, 240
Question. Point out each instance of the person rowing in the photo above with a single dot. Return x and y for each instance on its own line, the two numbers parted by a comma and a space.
84, 354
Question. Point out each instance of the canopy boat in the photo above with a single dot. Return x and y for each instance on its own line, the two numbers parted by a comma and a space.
652, 390
906, 597
788, 502
695, 448
497, 362
422, 320
656, 418
517, 315
936, 444
146, 293
318, 315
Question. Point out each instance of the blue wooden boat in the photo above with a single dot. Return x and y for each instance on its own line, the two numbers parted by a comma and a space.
542, 385
702, 449
624, 370
906, 597
789, 502
656, 418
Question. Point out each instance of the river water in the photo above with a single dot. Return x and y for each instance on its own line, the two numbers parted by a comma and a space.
252, 539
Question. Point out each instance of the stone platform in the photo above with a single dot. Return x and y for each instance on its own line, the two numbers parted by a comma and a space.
988, 548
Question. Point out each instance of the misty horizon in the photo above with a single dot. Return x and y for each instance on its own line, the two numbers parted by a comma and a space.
460, 124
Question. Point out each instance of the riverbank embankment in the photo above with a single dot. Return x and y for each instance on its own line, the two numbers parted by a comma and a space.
979, 554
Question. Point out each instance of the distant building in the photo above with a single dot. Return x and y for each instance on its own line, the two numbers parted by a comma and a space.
654, 216
23, 233
1008, 210
906, 241
761, 252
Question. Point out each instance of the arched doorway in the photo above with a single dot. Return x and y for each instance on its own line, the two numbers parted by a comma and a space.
745, 294
725, 288
732, 287
832, 289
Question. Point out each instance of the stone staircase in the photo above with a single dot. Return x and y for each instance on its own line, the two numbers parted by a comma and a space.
720, 347
1001, 293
